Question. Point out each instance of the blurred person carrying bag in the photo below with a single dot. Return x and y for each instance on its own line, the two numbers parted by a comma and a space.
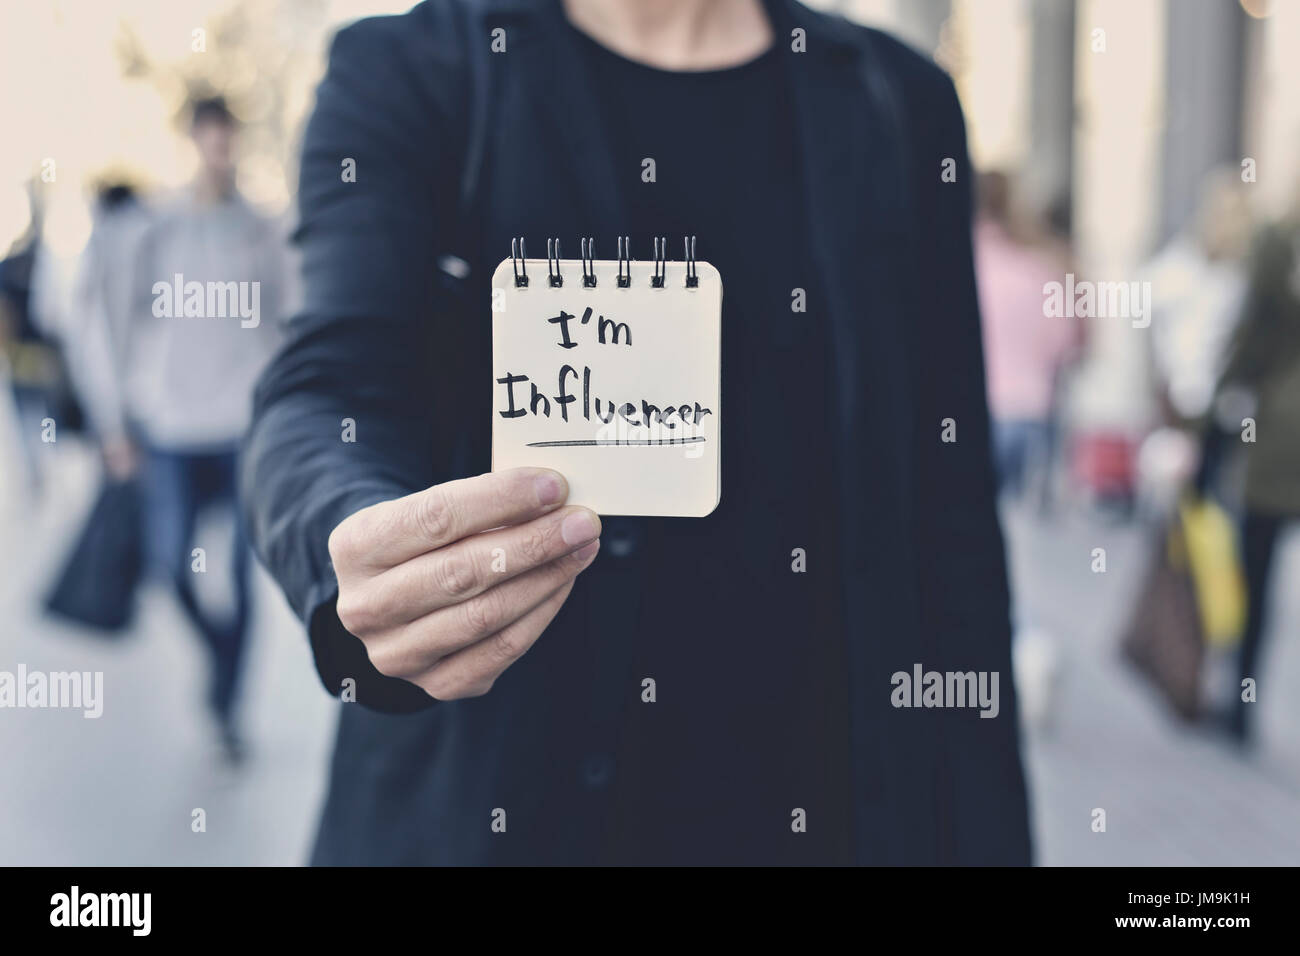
1194, 595
99, 579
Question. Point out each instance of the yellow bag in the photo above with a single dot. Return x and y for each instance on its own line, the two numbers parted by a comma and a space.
1215, 563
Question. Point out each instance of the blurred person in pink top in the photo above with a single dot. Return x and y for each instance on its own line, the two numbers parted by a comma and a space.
1024, 349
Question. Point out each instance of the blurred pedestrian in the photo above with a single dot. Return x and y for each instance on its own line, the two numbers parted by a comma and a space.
1024, 348
101, 327
189, 338
1199, 283
28, 353
1265, 358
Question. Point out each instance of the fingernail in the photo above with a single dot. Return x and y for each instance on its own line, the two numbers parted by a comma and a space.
550, 487
579, 527
587, 550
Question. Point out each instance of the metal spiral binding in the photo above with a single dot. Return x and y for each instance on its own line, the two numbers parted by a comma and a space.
553, 263
588, 263
624, 262
517, 257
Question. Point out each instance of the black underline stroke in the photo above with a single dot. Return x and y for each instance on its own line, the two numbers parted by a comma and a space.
588, 442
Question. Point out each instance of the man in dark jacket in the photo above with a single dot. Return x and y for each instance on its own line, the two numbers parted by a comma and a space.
810, 674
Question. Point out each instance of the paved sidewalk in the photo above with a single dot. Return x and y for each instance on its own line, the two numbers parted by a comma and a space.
1172, 795
121, 789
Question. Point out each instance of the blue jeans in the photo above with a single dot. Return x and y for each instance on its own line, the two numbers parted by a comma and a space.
178, 485
1018, 443
32, 405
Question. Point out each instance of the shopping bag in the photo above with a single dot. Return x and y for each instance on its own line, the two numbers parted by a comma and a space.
1215, 562
97, 585
1164, 640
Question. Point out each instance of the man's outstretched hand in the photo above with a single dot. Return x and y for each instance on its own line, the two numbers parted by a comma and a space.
451, 585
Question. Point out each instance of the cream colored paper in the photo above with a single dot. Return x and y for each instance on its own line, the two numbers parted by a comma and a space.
660, 346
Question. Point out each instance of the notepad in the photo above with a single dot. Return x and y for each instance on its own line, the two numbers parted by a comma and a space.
617, 386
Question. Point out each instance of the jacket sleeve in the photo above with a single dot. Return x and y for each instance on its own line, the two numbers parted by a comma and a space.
963, 584
341, 415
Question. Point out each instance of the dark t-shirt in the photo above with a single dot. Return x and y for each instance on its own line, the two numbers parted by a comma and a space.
748, 726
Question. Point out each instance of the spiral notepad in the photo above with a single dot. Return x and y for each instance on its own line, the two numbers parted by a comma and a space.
609, 371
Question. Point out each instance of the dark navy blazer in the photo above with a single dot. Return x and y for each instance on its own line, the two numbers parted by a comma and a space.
389, 340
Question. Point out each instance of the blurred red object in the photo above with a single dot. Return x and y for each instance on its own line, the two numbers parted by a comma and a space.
1105, 463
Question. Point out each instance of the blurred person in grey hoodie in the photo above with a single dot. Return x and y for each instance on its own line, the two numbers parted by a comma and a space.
170, 382
97, 328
